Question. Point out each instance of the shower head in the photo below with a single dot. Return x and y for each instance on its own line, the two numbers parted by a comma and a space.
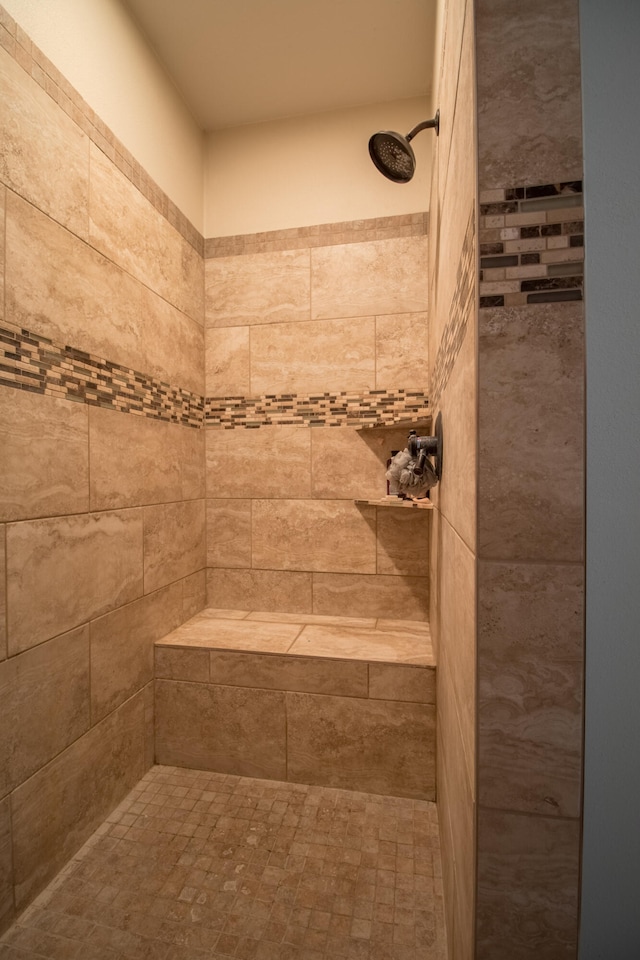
392, 153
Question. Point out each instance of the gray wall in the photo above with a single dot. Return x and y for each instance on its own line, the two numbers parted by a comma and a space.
610, 926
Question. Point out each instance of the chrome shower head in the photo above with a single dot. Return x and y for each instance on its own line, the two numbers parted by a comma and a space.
392, 153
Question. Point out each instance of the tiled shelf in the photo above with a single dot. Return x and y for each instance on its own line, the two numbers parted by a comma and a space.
416, 424
395, 502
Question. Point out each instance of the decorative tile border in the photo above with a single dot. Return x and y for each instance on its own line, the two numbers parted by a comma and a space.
461, 305
320, 235
531, 244
317, 410
39, 365
33, 61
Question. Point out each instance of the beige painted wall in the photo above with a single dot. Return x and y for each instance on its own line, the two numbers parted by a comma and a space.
308, 170
100, 51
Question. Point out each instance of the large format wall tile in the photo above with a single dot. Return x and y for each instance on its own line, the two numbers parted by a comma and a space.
306, 674
174, 542
44, 705
369, 279
328, 535
45, 155
44, 468
401, 351
313, 357
67, 291
375, 745
3, 203
530, 637
131, 232
269, 462
228, 729
6, 867
3, 593
194, 594
277, 590
257, 288
529, 109
64, 571
227, 362
122, 647
530, 495
528, 879
349, 595
228, 533
56, 811
402, 542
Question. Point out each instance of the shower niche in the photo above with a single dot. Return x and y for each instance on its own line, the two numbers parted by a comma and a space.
424, 463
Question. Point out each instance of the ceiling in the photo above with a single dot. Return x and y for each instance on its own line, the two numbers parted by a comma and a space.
248, 61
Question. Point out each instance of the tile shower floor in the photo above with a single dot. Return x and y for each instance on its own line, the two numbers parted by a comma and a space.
195, 865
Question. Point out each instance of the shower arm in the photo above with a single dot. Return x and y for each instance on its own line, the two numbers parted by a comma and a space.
425, 125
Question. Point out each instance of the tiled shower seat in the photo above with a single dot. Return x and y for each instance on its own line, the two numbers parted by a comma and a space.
330, 701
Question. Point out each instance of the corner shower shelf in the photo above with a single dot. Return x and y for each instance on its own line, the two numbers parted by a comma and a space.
395, 502
416, 424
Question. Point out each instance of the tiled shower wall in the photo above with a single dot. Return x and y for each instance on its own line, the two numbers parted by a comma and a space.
452, 351
102, 544
530, 487
307, 337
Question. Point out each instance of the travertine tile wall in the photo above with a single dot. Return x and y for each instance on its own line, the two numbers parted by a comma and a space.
452, 351
302, 345
530, 492
102, 508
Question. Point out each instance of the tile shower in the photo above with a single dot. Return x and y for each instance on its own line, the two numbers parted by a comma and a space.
180, 417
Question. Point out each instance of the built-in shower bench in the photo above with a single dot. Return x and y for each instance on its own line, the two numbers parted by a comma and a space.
332, 701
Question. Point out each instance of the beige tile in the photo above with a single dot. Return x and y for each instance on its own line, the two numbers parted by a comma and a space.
374, 596
174, 542
401, 351
182, 663
50, 272
131, 232
134, 460
351, 464
411, 625
194, 594
55, 811
529, 120
227, 729
306, 674
530, 675
234, 635
330, 535
415, 684
44, 698
45, 156
227, 362
260, 590
369, 279
148, 698
528, 885
122, 647
228, 533
270, 462
330, 355
37, 430
3, 593
304, 618
3, 203
361, 644
257, 288
530, 487
7, 911
402, 542
215, 613
78, 567
374, 745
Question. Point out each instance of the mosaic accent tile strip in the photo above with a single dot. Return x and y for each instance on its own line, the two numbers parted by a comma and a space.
531, 244
18, 44
366, 408
39, 365
320, 235
461, 305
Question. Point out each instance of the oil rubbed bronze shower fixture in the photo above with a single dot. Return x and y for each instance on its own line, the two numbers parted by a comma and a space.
392, 153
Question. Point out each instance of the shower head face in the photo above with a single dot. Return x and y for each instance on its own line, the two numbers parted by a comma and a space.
393, 156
